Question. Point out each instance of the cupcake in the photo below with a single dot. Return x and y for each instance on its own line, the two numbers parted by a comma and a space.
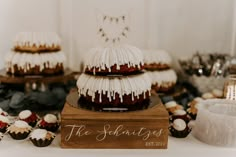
3, 113
41, 137
49, 122
30, 117
179, 128
4, 123
180, 114
19, 130
192, 110
217, 93
171, 106
195, 101
1, 136
208, 96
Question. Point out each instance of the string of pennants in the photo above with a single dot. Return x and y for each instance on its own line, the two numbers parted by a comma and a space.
114, 18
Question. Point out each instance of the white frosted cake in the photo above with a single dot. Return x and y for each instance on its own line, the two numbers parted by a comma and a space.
35, 53
114, 78
157, 59
117, 59
163, 81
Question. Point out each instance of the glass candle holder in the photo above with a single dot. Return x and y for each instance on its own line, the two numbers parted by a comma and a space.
230, 88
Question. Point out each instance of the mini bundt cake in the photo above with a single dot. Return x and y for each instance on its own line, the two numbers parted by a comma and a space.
157, 60
163, 81
36, 53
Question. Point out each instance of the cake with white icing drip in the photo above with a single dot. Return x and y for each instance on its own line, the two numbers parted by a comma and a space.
158, 64
157, 59
114, 78
114, 90
116, 59
163, 81
35, 53
37, 42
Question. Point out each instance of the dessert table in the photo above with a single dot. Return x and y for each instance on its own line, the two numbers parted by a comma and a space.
177, 148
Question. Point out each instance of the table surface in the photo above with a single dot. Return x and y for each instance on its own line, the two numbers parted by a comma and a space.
177, 148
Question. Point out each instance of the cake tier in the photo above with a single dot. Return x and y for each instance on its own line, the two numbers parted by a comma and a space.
37, 42
163, 81
19, 63
156, 60
86, 103
118, 59
126, 90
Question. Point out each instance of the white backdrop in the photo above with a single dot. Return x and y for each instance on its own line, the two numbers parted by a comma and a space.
25, 15
180, 26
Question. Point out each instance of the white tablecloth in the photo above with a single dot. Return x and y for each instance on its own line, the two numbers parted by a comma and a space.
187, 147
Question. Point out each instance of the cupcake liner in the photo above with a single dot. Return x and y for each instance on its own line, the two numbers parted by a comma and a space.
19, 136
193, 116
180, 134
53, 128
3, 130
42, 143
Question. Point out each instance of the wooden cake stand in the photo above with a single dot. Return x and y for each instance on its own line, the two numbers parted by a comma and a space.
82, 128
36, 81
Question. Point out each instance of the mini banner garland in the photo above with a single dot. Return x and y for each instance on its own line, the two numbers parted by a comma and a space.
111, 19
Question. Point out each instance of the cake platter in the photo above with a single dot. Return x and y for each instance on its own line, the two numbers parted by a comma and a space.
11, 79
73, 99
32, 81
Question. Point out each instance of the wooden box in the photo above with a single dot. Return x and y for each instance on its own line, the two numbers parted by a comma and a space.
146, 129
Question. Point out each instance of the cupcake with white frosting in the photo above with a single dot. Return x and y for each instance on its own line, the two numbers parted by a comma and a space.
179, 128
30, 117
19, 130
41, 137
35, 53
4, 123
180, 114
172, 106
49, 122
